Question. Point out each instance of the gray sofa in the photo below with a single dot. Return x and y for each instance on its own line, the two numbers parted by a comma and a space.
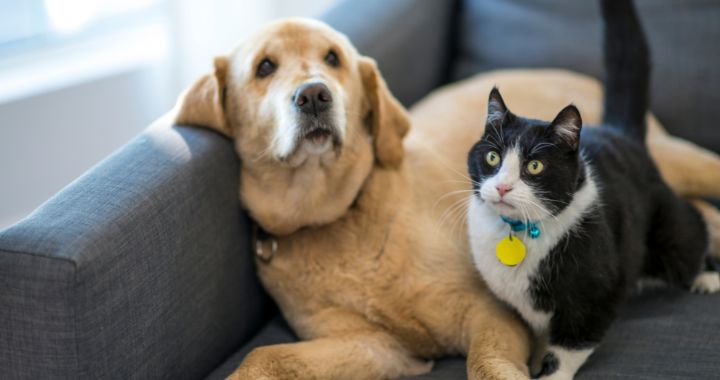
142, 268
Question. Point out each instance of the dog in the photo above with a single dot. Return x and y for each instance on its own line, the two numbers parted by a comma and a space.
367, 257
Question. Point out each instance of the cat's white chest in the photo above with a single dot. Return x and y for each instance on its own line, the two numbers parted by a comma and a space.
510, 284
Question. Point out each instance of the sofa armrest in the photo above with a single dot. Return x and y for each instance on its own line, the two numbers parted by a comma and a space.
139, 269
412, 40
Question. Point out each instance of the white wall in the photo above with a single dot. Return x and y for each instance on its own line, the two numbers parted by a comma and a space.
51, 134
48, 140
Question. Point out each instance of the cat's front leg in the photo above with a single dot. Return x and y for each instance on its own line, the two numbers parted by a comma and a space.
576, 329
561, 363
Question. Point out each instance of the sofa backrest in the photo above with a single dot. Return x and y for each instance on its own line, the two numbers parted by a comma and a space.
684, 38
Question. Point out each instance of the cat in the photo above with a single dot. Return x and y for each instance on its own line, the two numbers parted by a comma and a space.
564, 220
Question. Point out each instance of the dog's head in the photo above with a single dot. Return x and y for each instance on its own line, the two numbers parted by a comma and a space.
298, 98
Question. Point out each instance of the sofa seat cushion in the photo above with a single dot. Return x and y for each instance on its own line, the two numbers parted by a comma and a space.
660, 334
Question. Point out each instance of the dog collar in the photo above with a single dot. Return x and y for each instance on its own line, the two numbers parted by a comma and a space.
261, 237
517, 226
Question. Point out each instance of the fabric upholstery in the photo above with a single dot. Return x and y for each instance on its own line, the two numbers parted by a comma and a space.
139, 269
410, 39
660, 334
276, 331
683, 37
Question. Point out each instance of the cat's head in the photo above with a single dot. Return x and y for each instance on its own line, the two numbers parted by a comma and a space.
526, 169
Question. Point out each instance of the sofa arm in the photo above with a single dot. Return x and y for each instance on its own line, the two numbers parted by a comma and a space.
412, 40
139, 269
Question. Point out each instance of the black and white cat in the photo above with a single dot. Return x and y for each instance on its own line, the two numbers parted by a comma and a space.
563, 223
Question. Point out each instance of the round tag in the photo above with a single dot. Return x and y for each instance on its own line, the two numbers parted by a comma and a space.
510, 251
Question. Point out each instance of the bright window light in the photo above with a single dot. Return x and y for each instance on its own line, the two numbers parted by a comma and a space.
71, 15
27, 24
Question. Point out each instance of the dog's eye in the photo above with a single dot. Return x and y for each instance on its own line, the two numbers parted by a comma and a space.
332, 59
265, 68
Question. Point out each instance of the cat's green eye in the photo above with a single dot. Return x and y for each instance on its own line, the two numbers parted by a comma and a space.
492, 158
535, 167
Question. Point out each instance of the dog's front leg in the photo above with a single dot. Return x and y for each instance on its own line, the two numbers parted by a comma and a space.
498, 344
373, 355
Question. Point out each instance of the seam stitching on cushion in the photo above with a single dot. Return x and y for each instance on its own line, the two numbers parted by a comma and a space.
43, 255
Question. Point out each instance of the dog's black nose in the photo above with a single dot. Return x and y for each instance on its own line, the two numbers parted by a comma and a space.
312, 98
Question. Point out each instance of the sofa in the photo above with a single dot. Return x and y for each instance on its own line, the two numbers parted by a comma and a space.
142, 267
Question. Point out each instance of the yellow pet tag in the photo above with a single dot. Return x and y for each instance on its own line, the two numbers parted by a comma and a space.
510, 251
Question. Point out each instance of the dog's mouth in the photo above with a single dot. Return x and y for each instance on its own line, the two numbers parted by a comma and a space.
319, 132
315, 139
319, 136
319, 141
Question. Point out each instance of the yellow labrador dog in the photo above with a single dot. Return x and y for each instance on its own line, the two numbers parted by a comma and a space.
369, 261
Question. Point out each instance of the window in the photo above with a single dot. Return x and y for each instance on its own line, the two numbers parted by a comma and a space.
29, 24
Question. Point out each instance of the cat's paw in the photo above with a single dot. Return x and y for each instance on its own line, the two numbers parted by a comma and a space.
706, 283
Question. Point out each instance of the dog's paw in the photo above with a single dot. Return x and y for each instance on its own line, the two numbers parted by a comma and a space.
419, 367
706, 283
266, 363
496, 369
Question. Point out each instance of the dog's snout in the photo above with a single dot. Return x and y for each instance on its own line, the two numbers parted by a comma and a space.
312, 98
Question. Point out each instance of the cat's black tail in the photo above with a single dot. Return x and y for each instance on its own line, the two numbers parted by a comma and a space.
627, 69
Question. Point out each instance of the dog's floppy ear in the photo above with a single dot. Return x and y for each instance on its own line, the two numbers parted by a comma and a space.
202, 105
389, 120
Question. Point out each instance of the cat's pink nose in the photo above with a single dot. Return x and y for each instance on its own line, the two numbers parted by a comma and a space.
503, 189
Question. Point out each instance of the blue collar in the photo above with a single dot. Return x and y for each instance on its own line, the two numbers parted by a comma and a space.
518, 226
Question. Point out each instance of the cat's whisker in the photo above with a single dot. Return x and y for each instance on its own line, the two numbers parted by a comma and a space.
540, 208
542, 146
461, 217
468, 182
497, 143
446, 215
449, 194
458, 217
450, 210
490, 144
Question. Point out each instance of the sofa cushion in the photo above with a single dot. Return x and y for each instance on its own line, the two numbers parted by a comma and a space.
683, 37
660, 334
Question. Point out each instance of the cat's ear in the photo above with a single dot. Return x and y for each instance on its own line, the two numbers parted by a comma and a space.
567, 126
496, 107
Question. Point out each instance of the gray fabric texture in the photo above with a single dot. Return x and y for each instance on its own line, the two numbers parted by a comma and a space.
683, 36
660, 334
410, 39
276, 331
140, 269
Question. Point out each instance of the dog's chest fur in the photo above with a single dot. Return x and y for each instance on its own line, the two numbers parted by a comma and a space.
392, 277
514, 285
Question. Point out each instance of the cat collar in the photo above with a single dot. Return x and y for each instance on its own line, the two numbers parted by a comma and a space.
517, 226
